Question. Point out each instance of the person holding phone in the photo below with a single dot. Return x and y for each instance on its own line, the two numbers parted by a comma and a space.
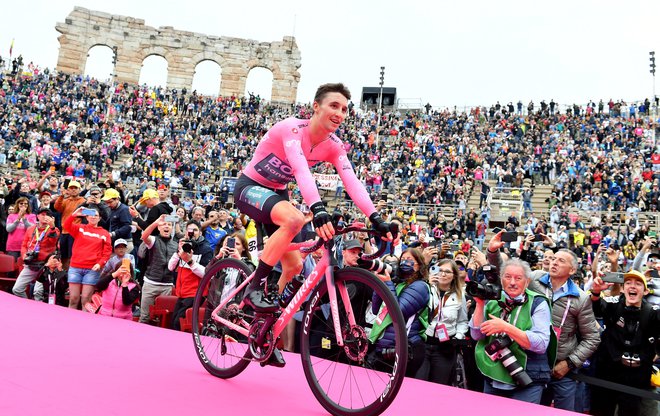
66, 204
91, 249
112, 283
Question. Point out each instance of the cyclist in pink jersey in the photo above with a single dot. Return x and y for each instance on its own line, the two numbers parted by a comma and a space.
284, 155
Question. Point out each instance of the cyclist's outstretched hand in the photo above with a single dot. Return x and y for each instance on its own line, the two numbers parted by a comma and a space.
384, 228
322, 221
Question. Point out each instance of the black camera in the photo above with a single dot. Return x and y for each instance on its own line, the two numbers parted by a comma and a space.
486, 285
498, 350
389, 354
30, 257
188, 246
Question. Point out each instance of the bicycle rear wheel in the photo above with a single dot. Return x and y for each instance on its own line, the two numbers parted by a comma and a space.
222, 351
352, 380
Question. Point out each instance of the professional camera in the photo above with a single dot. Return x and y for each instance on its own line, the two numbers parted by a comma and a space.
380, 267
389, 354
498, 350
30, 257
188, 246
486, 285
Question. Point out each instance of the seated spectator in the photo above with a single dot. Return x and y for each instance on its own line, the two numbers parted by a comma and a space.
53, 278
111, 283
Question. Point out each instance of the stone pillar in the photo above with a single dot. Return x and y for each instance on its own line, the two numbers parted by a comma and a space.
127, 69
234, 77
179, 76
285, 87
72, 56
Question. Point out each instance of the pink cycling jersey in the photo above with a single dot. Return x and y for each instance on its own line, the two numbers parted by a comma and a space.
285, 155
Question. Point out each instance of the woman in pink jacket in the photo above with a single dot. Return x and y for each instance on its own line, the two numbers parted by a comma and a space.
119, 292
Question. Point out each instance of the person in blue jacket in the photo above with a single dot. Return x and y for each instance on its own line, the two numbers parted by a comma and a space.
409, 285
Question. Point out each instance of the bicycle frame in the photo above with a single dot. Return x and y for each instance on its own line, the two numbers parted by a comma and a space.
324, 267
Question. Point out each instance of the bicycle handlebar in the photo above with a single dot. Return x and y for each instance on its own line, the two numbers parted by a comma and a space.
394, 229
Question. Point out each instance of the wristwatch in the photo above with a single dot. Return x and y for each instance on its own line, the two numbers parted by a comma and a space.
570, 364
191, 262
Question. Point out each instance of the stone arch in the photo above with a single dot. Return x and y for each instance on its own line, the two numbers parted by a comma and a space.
255, 82
94, 69
202, 76
183, 51
151, 70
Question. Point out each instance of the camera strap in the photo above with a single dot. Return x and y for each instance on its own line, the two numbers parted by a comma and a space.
39, 237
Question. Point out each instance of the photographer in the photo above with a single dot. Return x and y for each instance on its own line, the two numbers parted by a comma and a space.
54, 281
572, 320
629, 344
513, 330
190, 264
39, 242
412, 291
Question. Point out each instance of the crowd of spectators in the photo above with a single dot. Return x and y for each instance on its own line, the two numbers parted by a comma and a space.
61, 136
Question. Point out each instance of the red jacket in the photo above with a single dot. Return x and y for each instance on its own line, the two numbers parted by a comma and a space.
48, 243
91, 245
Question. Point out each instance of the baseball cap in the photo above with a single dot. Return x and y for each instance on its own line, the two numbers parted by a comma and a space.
73, 184
350, 244
45, 193
119, 242
110, 194
47, 211
634, 274
148, 194
162, 187
94, 189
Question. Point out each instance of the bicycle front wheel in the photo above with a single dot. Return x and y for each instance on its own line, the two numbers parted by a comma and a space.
352, 379
222, 351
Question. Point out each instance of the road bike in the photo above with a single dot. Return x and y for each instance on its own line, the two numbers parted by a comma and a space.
345, 372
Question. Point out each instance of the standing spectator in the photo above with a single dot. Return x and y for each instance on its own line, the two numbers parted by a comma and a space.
574, 323
17, 225
213, 233
448, 320
155, 208
189, 262
120, 217
158, 279
485, 191
413, 294
66, 204
626, 354
40, 241
523, 318
91, 250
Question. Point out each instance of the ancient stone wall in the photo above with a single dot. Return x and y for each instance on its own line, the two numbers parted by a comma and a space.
84, 29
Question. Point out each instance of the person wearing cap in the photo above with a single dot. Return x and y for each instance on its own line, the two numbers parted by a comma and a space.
40, 240
120, 252
629, 343
151, 200
93, 200
66, 204
119, 224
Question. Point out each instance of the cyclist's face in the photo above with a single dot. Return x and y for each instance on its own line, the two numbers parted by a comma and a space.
331, 111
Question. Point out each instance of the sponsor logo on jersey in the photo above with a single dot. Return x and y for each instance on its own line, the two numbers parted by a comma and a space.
275, 169
294, 130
